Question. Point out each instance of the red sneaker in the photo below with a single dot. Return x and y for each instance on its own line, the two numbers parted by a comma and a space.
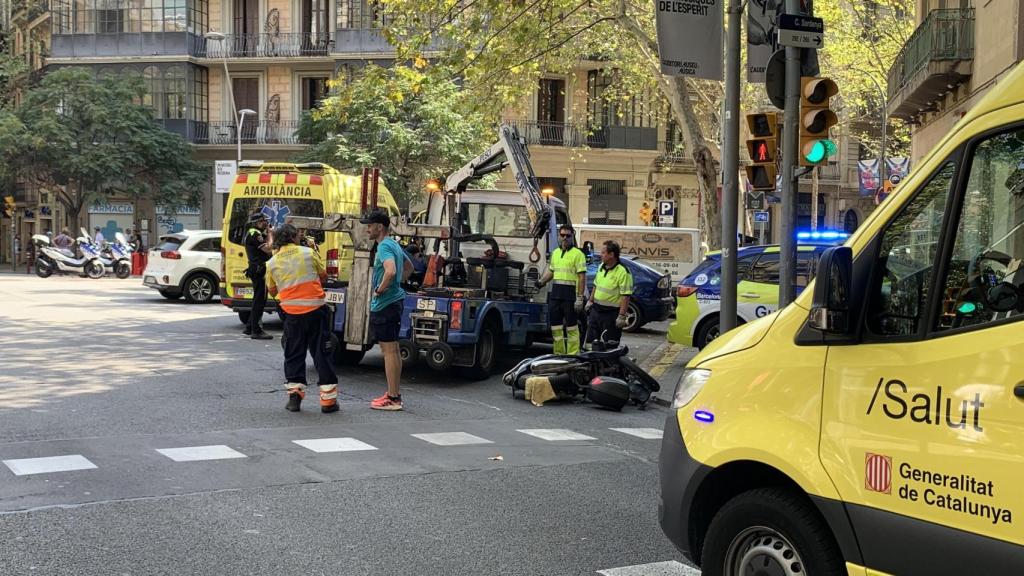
386, 402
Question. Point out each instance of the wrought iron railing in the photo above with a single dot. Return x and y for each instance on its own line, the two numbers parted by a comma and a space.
946, 34
258, 132
262, 45
561, 134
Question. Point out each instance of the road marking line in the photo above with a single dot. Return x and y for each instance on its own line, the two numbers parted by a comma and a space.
451, 438
26, 466
334, 444
645, 433
556, 434
666, 360
196, 453
670, 568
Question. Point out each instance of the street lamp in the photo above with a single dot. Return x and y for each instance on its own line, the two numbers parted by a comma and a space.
885, 122
241, 121
220, 37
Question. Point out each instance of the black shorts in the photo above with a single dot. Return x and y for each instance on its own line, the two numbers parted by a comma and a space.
387, 323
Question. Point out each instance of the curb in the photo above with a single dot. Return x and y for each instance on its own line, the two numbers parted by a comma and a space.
665, 365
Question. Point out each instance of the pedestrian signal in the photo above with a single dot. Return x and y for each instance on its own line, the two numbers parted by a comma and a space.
816, 118
763, 150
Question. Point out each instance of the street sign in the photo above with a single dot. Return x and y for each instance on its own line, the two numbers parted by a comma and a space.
690, 37
761, 216
224, 175
800, 31
666, 208
755, 201
666, 220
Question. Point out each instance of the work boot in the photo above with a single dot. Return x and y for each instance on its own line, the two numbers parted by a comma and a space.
329, 398
296, 392
261, 336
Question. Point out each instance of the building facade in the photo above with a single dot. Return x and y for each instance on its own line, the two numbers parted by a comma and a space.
959, 50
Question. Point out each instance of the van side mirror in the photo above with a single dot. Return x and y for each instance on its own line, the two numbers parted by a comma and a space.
830, 309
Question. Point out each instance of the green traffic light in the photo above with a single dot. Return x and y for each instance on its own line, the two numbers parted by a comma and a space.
820, 151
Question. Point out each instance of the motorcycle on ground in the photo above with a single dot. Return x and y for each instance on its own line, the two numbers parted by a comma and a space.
51, 260
608, 377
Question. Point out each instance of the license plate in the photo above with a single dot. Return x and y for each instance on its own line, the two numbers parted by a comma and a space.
335, 297
426, 304
243, 292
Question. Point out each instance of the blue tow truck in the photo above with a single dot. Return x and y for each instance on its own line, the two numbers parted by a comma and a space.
487, 249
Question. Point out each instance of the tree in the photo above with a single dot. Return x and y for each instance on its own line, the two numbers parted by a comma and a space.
88, 139
499, 49
411, 125
864, 40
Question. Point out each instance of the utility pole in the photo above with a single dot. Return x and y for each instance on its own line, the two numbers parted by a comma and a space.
790, 133
814, 199
730, 167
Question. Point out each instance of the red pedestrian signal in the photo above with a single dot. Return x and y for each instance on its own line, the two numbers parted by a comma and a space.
763, 150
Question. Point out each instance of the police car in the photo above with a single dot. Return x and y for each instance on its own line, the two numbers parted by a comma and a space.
757, 291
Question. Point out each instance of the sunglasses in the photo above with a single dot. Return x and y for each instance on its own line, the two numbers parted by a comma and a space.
565, 235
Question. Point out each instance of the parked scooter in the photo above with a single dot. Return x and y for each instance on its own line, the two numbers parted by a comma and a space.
607, 377
50, 260
119, 255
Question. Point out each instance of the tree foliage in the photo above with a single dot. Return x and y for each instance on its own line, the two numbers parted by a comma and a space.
500, 49
411, 125
88, 139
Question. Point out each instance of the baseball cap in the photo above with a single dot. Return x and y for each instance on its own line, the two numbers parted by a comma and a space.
377, 216
257, 217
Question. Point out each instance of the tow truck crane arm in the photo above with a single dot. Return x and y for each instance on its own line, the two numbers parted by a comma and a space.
508, 152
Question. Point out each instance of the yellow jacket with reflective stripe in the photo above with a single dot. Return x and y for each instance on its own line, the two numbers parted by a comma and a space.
567, 265
295, 273
610, 285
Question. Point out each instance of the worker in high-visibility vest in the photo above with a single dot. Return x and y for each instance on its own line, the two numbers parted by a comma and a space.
294, 276
609, 301
568, 270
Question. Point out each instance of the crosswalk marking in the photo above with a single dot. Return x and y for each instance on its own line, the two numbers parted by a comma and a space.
452, 438
26, 466
556, 434
334, 444
645, 433
670, 568
196, 453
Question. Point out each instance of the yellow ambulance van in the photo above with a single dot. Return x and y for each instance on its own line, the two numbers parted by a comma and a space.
876, 424
279, 190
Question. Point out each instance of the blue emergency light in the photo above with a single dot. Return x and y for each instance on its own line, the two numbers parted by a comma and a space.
830, 235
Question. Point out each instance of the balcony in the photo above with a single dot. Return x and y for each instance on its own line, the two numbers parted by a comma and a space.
224, 133
578, 136
120, 44
938, 57
279, 45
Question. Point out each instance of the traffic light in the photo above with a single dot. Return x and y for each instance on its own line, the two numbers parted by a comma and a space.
9, 207
815, 120
763, 149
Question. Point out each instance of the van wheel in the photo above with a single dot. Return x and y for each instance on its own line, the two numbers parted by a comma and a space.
770, 531
709, 331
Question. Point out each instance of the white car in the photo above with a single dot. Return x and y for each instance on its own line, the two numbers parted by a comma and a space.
185, 263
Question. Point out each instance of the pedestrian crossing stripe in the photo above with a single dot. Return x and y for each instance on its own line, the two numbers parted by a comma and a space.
670, 568
73, 462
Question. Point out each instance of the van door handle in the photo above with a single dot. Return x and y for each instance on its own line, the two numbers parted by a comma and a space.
750, 295
1018, 391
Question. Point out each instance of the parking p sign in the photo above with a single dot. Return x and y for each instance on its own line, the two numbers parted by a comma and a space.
666, 212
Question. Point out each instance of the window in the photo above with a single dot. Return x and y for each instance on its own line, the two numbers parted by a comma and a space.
109, 17
607, 202
806, 267
198, 16
984, 277
314, 89
200, 87
207, 245
906, 260
276, 209
174, 93
766, 270
495, 219
174, 15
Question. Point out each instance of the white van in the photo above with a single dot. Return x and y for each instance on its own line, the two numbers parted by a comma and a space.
674, 250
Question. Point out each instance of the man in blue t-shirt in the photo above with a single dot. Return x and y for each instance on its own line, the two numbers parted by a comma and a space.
387, 304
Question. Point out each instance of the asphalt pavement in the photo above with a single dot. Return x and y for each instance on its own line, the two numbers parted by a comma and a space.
145, 436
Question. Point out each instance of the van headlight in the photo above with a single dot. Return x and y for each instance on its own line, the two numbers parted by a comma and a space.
690, 383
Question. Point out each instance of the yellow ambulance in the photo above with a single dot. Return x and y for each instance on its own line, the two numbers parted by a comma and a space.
279, 190
876, 424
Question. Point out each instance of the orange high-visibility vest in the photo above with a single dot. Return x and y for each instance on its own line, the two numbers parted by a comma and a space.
295, 273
